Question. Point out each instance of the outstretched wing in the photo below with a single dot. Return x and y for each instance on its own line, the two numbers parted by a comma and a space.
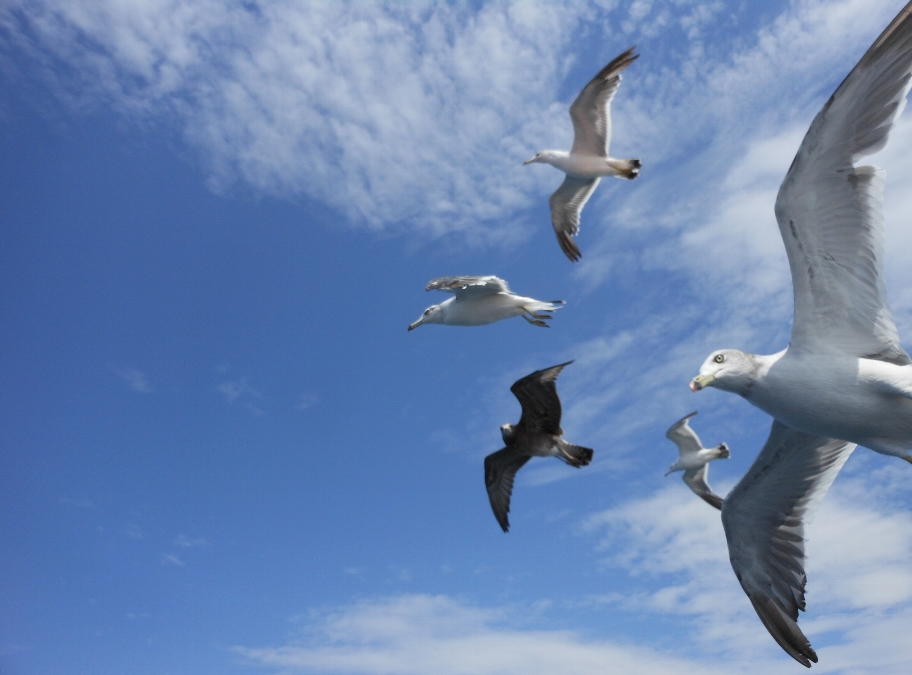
764, 517
830, 213
541, 406
591, 111
696, 480
466, 287
684, 437
567, 203
500, 471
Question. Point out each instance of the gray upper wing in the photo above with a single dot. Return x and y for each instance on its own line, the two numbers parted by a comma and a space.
591, 112
764, 518
683, 436
567, 203
464, 287
541, 406
830, 213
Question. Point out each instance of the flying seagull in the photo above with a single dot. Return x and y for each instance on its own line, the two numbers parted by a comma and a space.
844, 379
481, 300
588, 159
538, 434
694, 459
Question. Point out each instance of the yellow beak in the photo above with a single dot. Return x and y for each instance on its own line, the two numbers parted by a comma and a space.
701, 381
528, 161
415, 325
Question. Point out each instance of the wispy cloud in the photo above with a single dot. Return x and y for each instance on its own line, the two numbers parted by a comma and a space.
240, 391
437, 635
136, 380
306, 400
184, 541
172, 559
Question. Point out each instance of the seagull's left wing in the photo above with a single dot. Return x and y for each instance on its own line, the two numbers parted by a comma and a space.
684, 437
541, 406
591, 112
764, 517
566, 204
500, 471
696, 480
465, 287
830, 213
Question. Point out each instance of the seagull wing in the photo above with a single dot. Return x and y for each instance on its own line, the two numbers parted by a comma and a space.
500, 470
684, 437
591, 111
567, 203
764, 517
696, 481
468, 287
541, 406
830, 213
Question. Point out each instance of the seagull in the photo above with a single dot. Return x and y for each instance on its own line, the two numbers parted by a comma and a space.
588, 159
538, 434
481, 300
694, 459
844, 379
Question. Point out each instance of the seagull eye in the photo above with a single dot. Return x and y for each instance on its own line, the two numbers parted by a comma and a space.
427, 311
719, 358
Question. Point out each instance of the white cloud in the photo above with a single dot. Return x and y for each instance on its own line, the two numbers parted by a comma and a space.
240, 391
184, 541
172, 559
136, 380
673, 547
438, 635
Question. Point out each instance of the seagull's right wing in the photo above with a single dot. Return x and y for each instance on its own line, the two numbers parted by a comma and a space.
500, 470
684, 437
591, 112
466, 287
566, 204
541, 406
696, 481
764, 517
830, 213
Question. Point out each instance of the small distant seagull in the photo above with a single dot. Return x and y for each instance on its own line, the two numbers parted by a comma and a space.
694, 459
538, 434
588, 159
482, 300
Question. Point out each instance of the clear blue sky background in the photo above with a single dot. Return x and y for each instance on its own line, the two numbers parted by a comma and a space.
221, 451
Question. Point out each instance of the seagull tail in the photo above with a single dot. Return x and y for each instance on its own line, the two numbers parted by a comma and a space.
630, 168
575, 455
543, 306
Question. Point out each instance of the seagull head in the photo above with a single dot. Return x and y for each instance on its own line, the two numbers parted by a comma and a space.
543, 157
729, 370
432, 314
674, 467
506, 430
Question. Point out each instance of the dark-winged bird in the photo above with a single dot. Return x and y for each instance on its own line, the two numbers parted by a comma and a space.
538, 434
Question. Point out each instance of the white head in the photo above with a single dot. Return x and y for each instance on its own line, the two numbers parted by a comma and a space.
433, 314
729, 370
543, 157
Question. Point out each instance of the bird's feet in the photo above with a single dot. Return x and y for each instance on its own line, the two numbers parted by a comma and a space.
535, 322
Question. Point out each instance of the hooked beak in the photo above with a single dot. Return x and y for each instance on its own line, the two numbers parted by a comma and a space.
701, 381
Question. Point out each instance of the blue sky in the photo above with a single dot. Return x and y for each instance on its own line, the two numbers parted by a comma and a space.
223, 453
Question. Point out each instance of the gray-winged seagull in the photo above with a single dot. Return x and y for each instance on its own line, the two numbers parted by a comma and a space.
844, 374
482, 300
538, 434
588, 159
693, 459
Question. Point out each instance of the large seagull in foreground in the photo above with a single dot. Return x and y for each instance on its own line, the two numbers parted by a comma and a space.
588, 159
844, 378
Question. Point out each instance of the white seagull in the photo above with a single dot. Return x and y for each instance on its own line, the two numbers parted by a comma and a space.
588, 159
844, 374
482, 300
693, 459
